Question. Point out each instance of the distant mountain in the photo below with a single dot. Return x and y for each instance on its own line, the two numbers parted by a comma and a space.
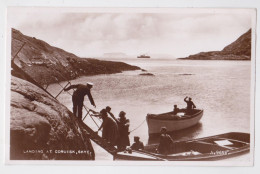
238, 50
47, 64
115, 55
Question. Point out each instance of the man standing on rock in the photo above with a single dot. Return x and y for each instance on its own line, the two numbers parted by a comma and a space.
78, 97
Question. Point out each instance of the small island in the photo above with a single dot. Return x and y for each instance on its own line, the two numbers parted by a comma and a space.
146, 74
143, 56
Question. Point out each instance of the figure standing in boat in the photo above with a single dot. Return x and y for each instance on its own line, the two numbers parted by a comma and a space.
166, 142
190, 105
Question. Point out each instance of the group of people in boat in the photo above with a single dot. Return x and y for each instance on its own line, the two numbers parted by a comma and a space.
116, 130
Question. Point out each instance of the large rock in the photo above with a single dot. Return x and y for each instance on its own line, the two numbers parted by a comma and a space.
42, 128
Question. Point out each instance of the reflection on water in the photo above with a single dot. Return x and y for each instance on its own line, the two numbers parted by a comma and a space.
179, 135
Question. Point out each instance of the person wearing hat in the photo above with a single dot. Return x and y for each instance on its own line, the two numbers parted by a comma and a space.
108, 109
78, 97
110, 128
123, 128
190, 105
137, 145
166, 142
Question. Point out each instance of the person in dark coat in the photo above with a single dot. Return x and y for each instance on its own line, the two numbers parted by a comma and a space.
166, 142
123, 127
78, 97
137, 145
190, 105
110, 128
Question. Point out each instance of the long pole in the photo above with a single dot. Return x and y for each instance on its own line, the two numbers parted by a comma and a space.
18, 51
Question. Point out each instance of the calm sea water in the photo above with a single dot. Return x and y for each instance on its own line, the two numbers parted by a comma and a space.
221, 88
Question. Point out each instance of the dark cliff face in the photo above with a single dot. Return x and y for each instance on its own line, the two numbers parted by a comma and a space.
47, 64
238, 50
242, 46
43, 129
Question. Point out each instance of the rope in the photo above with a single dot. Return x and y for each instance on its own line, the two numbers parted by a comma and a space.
138, 126
18, 51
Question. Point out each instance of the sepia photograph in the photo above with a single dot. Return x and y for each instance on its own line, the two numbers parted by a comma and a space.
170, 85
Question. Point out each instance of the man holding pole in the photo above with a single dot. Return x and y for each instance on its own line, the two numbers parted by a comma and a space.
78, 97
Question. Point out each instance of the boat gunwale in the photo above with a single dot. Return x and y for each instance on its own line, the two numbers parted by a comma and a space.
200, 157
220, 136
174, 119
205, 156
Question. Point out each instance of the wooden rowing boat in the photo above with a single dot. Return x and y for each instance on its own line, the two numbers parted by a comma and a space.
203, 149
171, 121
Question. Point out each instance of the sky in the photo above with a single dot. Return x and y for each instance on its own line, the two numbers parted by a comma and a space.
165, 32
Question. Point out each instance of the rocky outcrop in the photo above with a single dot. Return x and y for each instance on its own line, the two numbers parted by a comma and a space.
43, 129
47, 64
238, 50
146, 74
242, 46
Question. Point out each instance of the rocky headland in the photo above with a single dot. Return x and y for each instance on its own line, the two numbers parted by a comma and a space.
47, 64
238, 50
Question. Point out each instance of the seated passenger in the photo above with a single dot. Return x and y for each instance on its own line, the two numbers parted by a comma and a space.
175, 110
137, 145
166, 142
